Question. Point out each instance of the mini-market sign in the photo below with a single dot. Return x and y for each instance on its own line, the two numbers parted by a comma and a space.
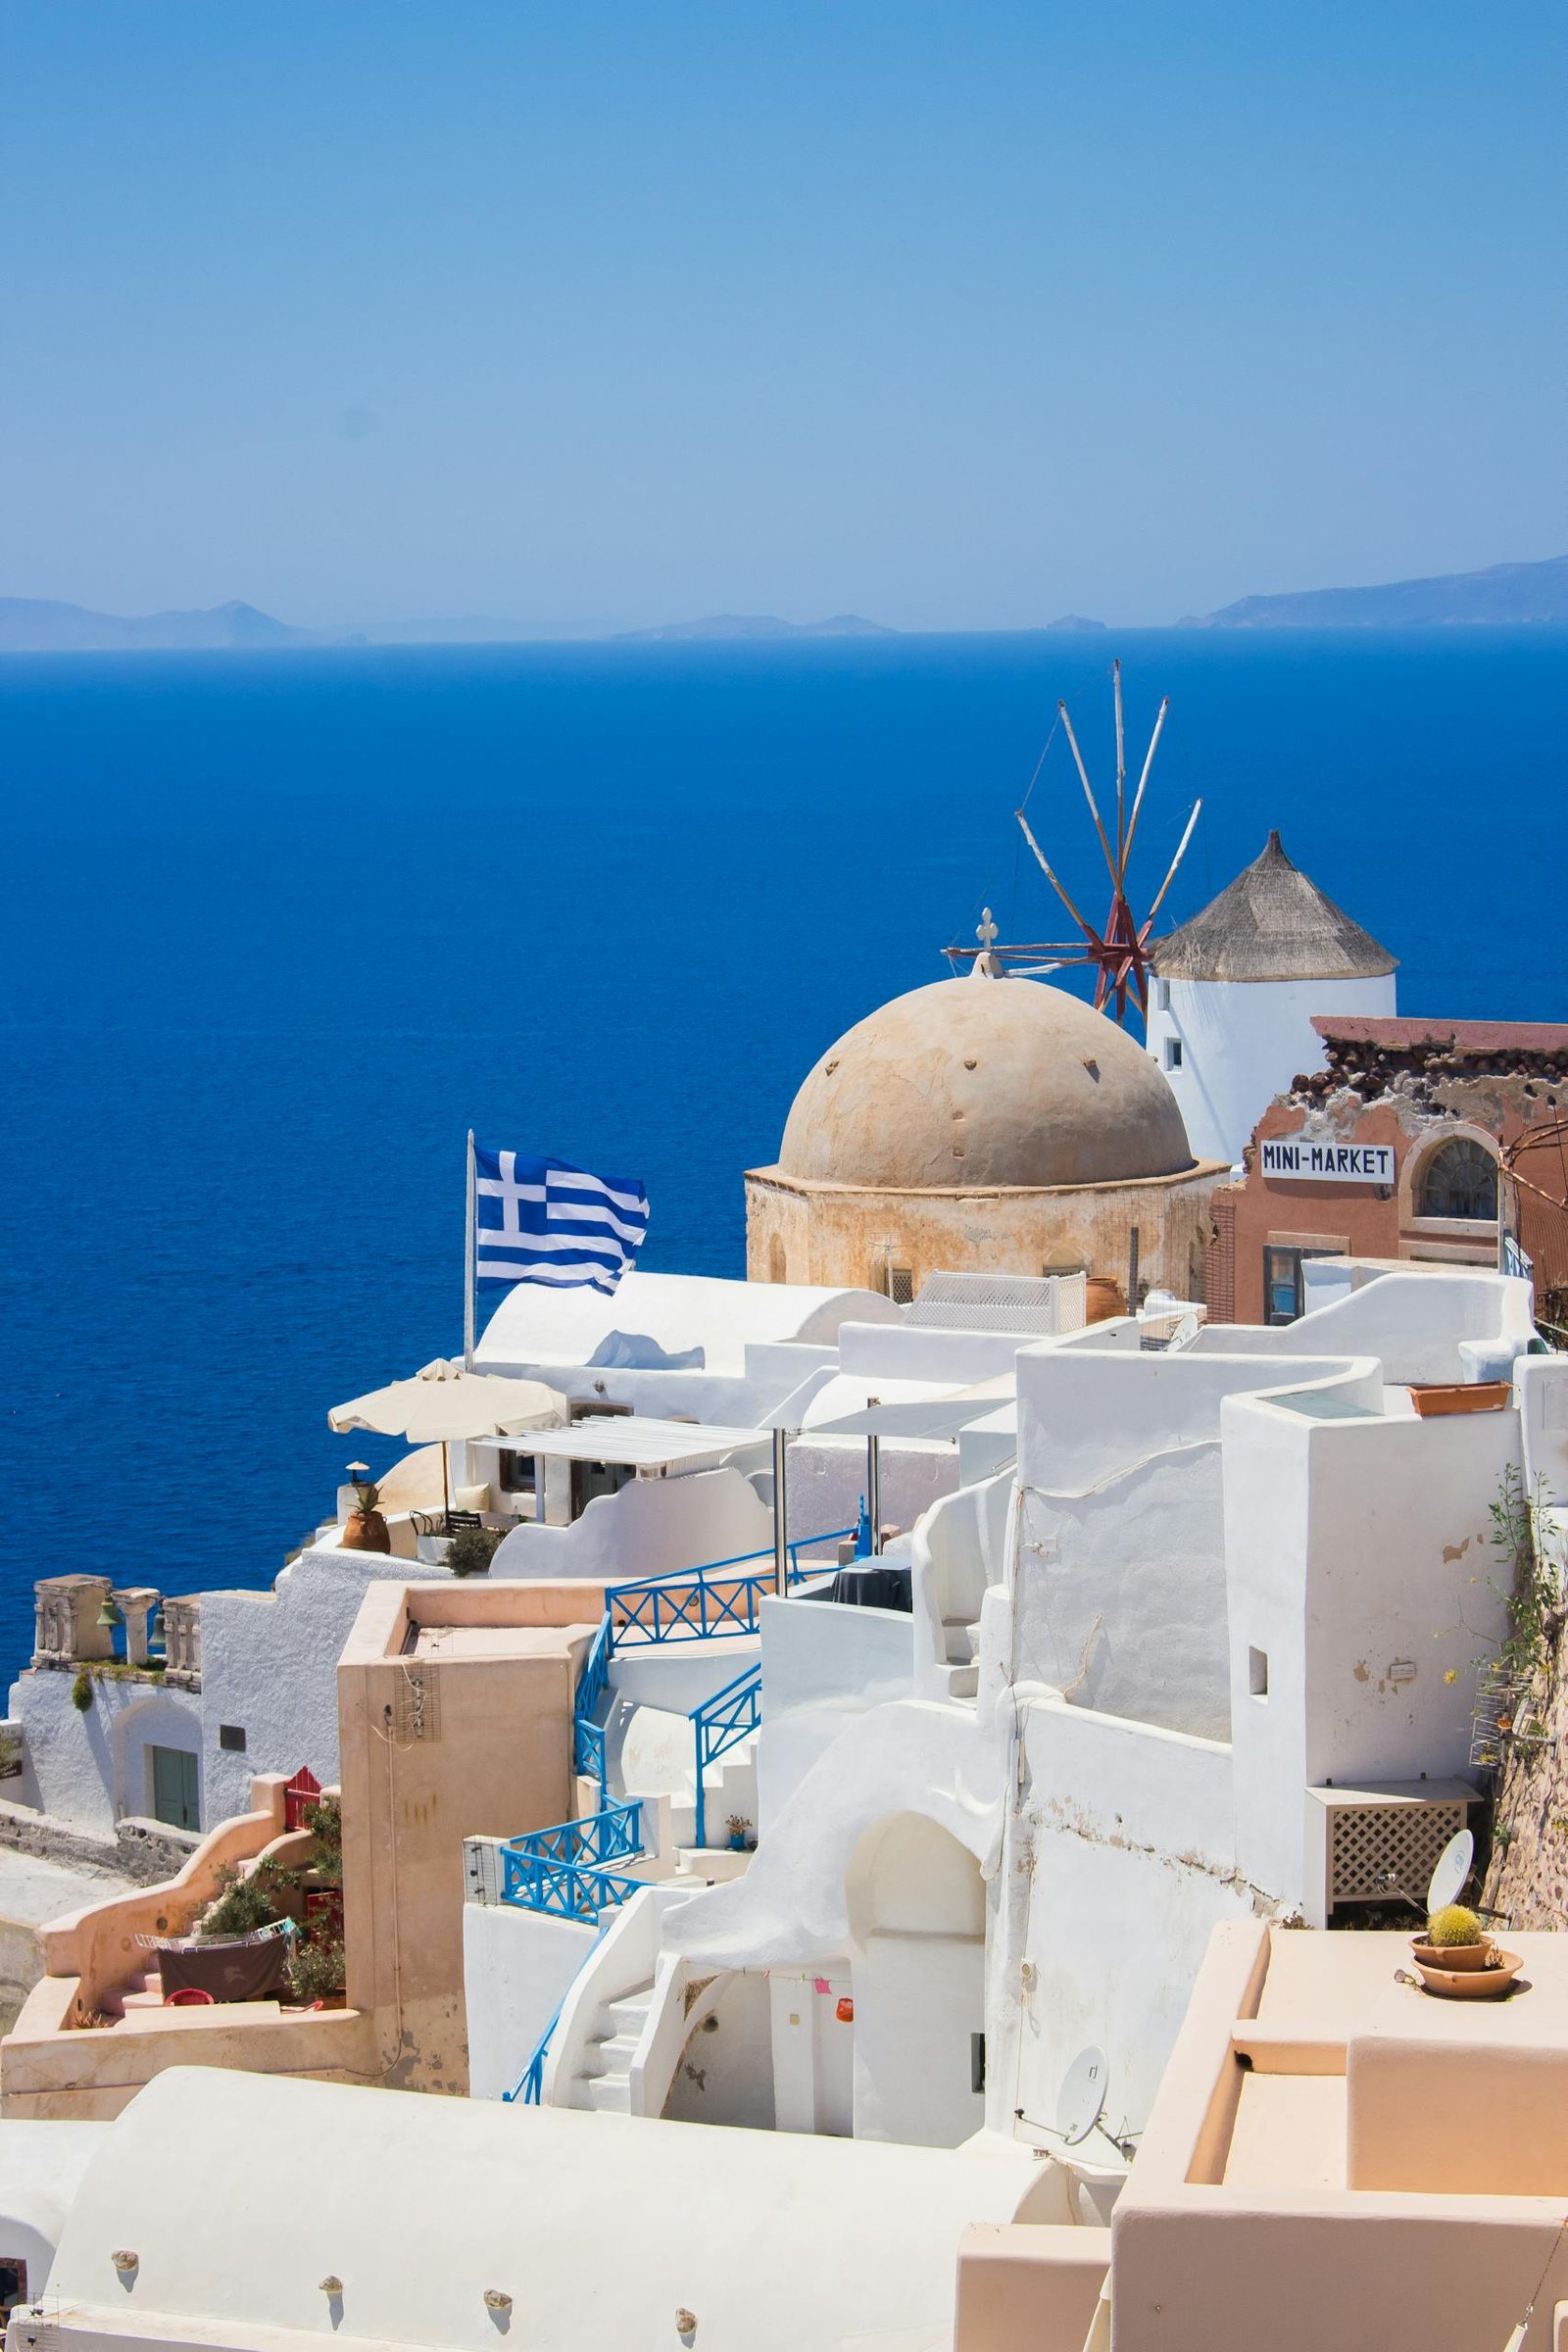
1301, 1161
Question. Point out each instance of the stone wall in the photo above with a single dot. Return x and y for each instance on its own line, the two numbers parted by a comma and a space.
143, 1851
800, 1231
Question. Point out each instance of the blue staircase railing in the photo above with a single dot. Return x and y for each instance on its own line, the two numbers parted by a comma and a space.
720, 1724
529, 2087
691, 1606
564, 1890
701, 1603
587, 1733
614, 1834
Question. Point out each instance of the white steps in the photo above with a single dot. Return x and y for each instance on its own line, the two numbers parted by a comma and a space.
604, 2083
961, 1647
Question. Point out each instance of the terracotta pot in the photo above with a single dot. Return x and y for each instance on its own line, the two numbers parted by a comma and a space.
1474, 1983
1433, 1398
1103, 1298
367, 1531
1454, 1959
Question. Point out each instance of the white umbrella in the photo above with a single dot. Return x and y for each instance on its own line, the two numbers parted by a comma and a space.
443, 1404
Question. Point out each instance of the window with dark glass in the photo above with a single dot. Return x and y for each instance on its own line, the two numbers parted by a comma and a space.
1459, 1180
1284, 1294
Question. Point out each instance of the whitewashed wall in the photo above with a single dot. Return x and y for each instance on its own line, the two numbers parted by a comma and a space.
269, 1667
1118, 1859
1121, 1601
828, 1477
1242, 1041
1360, 1567
1426, 1326
653, 1526
516, 1965
91, 1768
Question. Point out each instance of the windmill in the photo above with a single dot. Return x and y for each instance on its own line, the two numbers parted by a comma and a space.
1118, 952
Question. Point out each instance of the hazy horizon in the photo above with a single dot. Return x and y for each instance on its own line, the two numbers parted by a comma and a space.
959, 317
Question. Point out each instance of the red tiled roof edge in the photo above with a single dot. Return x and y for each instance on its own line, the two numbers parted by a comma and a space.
1467, 1038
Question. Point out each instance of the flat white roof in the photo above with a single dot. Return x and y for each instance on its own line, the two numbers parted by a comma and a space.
640, 1439
654, 1318
241, 2192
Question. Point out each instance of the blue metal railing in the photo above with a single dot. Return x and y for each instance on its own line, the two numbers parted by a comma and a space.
614, 1834
530, 2086
588, 1736
701, 1603
564, 1889
722, 1723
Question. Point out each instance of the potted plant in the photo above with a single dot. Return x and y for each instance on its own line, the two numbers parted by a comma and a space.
471, 1550
1455, 1939
364, 1529
738, 1828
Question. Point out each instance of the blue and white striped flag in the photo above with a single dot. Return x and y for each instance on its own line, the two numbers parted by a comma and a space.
542, 1221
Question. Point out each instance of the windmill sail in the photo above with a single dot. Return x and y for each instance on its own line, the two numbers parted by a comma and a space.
1118, 951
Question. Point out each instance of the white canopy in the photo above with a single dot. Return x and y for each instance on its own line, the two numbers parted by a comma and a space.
443, 1404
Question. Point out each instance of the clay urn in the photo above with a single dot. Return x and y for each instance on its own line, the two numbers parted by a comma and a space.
364, 1529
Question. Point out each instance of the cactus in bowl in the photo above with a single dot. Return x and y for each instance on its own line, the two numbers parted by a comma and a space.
1454, 1926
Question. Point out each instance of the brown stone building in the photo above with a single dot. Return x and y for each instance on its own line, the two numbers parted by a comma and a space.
985, 1124
1411, 1144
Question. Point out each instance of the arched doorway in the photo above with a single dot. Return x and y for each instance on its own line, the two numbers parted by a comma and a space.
917, 1923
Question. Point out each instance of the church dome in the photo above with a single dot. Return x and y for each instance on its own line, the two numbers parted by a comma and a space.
983, 1082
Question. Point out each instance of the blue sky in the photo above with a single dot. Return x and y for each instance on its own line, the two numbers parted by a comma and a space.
958, 313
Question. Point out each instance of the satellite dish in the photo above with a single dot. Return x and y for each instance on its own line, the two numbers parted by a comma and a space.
1081, 2100
1452, 1872
1185, 1333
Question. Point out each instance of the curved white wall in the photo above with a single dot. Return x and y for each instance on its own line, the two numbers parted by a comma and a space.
1241, 1043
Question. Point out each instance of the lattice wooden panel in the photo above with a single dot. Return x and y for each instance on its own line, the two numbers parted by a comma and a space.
418, 1705
1369, 1842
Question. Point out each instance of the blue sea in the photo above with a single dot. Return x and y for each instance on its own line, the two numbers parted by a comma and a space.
279, 928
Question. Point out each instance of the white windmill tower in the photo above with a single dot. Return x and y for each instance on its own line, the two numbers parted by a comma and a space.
1236, 990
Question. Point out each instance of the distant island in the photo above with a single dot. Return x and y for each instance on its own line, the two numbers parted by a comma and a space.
1504, 593
35, 625
728, 628
32, 625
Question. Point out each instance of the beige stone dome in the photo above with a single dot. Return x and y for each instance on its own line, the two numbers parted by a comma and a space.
983, 1082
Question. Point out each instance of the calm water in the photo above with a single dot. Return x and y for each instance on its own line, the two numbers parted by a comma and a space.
277, 928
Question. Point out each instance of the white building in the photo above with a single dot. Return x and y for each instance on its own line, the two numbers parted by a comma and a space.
1207, 1651
1230, 1013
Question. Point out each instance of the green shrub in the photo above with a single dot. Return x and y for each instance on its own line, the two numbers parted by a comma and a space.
324, 1820
82, 1691
317, 1967
242, 1905
1453, 1923
471, 1551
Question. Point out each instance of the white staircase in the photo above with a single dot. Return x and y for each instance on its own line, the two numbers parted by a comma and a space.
652, 1757
603, 2081
961, 1644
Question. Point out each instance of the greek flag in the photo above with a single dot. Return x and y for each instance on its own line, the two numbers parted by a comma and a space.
542, 1221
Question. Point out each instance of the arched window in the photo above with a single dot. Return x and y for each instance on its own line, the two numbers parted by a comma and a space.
1459, 1180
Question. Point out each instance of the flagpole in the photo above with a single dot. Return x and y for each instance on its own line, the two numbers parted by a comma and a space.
469, 1258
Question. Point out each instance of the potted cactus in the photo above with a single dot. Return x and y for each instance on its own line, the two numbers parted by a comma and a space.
1456, 1938
364, 1529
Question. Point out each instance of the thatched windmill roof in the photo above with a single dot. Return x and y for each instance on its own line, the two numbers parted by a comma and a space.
1271, 924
